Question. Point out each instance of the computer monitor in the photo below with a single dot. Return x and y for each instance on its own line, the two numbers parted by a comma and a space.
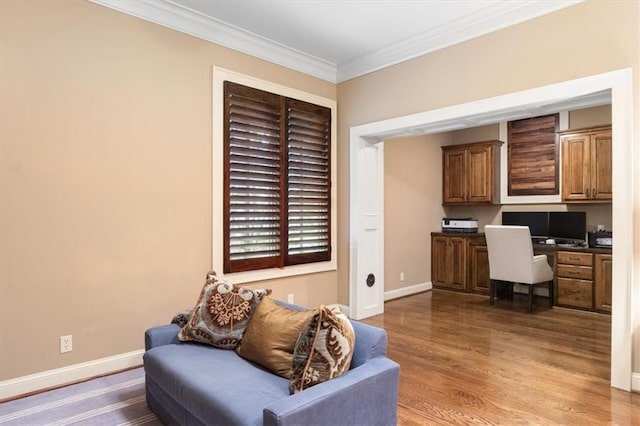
568, 225
538, 222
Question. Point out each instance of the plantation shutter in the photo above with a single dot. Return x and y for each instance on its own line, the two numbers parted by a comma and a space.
253, 182
308, 183
277, 186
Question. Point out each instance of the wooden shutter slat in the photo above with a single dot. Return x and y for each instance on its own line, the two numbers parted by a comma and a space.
253, 201
308, 173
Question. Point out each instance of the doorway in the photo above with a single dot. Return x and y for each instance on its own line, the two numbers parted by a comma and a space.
366, 200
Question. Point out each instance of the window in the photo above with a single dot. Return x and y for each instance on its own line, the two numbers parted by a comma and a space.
277, 180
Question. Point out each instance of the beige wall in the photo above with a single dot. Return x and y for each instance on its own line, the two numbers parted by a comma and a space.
105, 158
586, 39
105, 179
412, 207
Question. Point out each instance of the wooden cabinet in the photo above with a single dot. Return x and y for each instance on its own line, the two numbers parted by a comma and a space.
460, 262
479, 280
603, 282
470, 173
586, 165
582, 277
574, 279
448, 262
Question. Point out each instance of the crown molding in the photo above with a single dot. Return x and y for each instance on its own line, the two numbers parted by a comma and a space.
188, 21
490, 19
180, 18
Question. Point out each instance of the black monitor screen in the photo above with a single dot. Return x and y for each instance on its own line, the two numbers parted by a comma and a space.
568, 225
538, 222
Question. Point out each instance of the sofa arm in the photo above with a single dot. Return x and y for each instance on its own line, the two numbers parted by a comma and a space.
162, 335
367, 395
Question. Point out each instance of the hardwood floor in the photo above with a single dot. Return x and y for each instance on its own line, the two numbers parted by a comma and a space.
464, 362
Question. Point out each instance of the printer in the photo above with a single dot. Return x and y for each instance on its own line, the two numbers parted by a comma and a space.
464, 225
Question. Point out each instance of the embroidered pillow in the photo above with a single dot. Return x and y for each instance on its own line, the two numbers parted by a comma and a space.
222, 313
271, 336
323, 350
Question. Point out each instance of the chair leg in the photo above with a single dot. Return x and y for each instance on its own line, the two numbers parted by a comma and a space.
551, 294
492, 291
531, 298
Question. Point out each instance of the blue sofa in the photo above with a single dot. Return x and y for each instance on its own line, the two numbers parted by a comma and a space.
193, 384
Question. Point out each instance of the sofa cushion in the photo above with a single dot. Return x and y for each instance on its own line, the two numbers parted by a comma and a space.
271, 336
323, 350
215, 385
222, 313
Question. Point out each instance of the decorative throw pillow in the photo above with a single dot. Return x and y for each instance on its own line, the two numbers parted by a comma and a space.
323, 350
271, 336
182, 318
222, 313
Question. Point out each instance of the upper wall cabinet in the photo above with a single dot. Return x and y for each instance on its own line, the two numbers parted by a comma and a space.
586, 165
470, 173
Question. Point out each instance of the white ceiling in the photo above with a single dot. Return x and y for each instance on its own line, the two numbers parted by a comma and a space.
337, 40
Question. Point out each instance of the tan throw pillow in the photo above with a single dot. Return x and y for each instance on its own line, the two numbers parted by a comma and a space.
271, 336
222, 313
323, 350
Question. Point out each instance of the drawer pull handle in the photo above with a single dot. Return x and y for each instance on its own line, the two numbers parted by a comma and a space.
575, 291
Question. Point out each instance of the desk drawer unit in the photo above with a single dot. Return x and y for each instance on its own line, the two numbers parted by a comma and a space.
577, 272
573, 258
575, 293
574, 279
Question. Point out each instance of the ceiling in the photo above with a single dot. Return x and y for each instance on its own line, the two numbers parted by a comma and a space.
337, 40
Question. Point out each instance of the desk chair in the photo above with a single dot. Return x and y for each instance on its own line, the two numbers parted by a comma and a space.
511, 259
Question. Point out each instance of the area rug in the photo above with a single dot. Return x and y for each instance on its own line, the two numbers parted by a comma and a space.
117, 399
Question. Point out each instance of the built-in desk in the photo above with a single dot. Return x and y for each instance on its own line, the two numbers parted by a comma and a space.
582, 275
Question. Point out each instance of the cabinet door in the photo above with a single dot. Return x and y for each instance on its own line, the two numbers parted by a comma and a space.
479, 280
601, 186
576, 176
448, 267
454, 180
480, 174
575, 293
458, 267
439, 272
604, 282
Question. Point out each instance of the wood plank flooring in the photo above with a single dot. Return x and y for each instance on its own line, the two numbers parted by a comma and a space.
464, 362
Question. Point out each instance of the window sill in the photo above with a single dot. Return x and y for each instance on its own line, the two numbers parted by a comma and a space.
274, 273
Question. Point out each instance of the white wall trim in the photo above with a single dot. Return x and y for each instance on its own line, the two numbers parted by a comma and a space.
397, 293
72, 373
492, 18
196, 24
407, 291
635, 382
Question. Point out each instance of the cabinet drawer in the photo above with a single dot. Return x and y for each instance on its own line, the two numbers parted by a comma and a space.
573, 258
576, 272
576, 293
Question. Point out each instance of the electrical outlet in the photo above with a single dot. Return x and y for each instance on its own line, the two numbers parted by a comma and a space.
65, 344
290, 298
401, 276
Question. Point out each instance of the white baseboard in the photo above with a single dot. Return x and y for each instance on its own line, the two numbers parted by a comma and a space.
344, 309
407, 291
395, 294
73, 373
635, 382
